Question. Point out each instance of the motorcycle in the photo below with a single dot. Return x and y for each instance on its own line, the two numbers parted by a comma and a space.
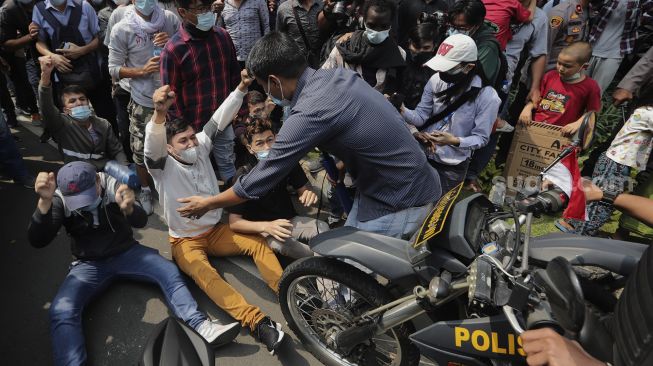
358, 302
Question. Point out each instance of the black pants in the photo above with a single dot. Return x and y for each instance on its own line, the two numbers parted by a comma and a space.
25, 97
6, 102
120, 101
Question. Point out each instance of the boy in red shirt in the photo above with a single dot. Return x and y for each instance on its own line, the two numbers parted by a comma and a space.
502, 12
567, 93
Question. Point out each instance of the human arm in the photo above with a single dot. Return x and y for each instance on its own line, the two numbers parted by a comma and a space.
546, 347
155, 149
538, 65
424, 109
284, 155
526, 116
49, 214
10, 41
489, 60
278, 229
229, 108
306, 196
74, 51
264, 16
126, 199
641, 208
118, 54
634, 79
525, 12
52, 118
487, 109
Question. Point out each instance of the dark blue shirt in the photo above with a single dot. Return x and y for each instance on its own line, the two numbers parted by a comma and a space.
340, 113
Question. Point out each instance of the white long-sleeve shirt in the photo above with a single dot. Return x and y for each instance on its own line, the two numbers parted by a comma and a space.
174, 179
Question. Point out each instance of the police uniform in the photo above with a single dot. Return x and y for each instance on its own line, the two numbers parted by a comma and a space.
568, 23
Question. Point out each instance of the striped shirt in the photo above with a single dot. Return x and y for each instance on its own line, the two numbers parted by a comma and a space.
245, 23
339, 112
201, 71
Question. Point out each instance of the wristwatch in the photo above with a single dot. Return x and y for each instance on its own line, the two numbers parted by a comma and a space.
609, 196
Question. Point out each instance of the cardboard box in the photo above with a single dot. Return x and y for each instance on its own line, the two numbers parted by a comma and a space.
532, 150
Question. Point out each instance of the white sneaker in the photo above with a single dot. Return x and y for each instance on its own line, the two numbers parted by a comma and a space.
145, 198
218, 334
507, 128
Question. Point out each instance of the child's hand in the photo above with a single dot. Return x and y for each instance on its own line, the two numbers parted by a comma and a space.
245, 80
308, 198
571, 128
526, 117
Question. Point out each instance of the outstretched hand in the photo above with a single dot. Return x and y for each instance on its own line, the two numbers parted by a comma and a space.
195, 207
163, 98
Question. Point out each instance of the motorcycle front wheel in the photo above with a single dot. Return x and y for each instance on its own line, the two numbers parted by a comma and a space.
320, 296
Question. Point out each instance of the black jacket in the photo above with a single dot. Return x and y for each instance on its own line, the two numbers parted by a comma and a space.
113, 235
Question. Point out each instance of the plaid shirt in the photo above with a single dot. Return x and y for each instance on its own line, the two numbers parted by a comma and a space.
600, 16
201, 71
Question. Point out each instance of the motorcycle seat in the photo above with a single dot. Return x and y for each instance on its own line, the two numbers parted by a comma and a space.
387, 256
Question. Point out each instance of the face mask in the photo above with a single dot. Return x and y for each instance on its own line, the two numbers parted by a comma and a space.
452, 77
280, 102
189, 155
57, 2
572, 78
92, 206
206, 21
81, 112
376, 37
453, 31
263, 154
145, 7
420, 58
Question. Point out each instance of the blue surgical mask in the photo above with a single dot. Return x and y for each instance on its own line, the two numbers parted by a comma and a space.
206, 21
376, 37
145, 7
280, 102
263, 154
92, 206
81, 112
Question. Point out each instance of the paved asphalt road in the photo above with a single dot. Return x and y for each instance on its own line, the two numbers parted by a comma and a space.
118, 322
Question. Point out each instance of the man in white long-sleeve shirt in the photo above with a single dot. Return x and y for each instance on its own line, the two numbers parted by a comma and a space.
179, 161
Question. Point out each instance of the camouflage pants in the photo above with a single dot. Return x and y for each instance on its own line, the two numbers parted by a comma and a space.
139, 116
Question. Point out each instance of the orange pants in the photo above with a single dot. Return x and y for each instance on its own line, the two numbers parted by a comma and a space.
191, 256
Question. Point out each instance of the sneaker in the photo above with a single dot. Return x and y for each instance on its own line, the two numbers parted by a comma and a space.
22, 111
145, 198
269, 333
218, 334
504, 127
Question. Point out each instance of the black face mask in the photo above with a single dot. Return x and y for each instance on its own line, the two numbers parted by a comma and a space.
452, 78
420, 58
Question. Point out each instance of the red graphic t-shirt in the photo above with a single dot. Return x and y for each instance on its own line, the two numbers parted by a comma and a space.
563, 103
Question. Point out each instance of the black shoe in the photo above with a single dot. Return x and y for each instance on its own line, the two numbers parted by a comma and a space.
269, 333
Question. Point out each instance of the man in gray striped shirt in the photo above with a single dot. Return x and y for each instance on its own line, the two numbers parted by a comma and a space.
339, 112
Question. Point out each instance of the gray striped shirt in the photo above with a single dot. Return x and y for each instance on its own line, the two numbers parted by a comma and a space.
245, 24
339, 112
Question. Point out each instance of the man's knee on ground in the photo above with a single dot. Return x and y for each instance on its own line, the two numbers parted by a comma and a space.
63, 308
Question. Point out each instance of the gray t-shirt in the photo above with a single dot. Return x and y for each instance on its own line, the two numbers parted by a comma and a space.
533, 35
608, 44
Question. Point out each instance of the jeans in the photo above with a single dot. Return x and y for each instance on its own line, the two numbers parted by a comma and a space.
87, 279
191, 256
401, 224
223, 153
10, 156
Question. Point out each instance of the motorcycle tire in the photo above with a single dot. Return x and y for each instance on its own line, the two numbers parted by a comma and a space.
355, 280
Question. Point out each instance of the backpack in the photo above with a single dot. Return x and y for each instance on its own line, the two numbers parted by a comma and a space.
85, 69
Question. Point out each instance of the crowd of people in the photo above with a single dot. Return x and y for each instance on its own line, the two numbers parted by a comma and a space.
212, 104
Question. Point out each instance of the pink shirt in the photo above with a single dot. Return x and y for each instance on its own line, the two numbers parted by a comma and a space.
501, 12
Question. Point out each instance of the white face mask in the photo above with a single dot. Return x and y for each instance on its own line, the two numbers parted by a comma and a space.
189, 155
376, 37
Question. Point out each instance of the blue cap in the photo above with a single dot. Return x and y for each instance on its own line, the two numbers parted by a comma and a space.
76, 181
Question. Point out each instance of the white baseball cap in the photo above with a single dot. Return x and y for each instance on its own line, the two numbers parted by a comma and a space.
452, 51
